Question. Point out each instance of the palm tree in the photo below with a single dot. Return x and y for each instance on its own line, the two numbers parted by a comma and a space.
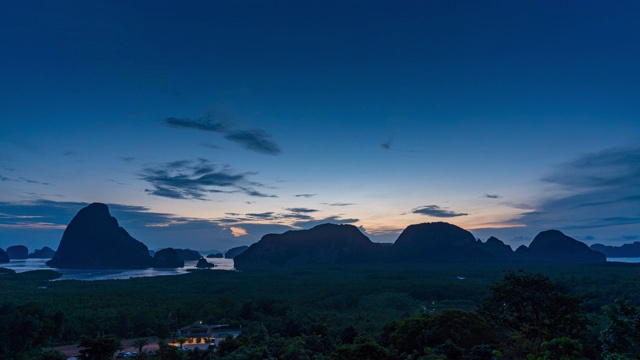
140, 343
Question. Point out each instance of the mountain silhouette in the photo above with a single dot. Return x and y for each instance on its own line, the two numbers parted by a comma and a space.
188, 254
554, 246
436, 241
427, 242
17, 252
4, 258
94, 240
44, 253
626, 250
233, 252
167, 258
323, 244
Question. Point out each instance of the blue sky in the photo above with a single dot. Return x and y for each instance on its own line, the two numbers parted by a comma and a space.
209, 124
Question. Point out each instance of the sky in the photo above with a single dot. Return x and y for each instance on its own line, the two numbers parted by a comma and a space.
208, 124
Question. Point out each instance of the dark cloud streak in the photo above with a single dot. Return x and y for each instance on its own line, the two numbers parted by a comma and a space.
436, 211
256, 140
194, 180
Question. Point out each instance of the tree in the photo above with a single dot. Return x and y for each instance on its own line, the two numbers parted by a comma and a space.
181, 340
621, 338
363, 348
562, 349
527, 309
456, 328
99, 348
140, 343
52, 355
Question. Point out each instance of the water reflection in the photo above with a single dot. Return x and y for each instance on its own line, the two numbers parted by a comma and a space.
111, 274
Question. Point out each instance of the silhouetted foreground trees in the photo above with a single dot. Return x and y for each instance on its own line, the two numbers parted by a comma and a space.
352, 313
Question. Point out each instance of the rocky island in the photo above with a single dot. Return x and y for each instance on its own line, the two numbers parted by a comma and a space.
94, 240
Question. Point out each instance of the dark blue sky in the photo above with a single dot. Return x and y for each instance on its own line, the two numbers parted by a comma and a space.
227, 120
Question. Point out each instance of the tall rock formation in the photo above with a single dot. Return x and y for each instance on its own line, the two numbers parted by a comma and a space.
554, 246
94, 240
323, 244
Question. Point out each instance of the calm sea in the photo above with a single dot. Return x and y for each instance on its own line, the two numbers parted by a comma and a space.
107, 274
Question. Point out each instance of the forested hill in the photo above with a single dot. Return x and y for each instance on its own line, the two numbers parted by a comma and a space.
427, 242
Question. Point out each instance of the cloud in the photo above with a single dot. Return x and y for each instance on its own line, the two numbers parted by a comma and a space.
127, 158
195, 180
436, 211
237, 231
23, 179
491, 196
331, 219
339, 204
305, 195
386, 145
203, 123
210, 146
597, 191
34, 181
301, 210
256, 140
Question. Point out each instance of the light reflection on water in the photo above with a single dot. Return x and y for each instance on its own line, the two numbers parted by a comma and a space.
111, 274
624, 259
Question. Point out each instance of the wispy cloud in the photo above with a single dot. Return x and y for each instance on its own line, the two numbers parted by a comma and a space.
491, 196
256, 140
30, 181
599, 190
339, 204
185, 179
386, 145
26, 180
301, 210
210, 146
436, 211
305, 195
336, 219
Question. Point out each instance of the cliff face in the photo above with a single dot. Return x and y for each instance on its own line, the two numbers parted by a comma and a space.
323, 244
554, 246
94, 240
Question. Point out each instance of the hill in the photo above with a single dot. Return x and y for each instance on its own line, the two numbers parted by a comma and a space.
323, 244
626, 250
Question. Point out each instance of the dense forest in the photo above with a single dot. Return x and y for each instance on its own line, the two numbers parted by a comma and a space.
399, 311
